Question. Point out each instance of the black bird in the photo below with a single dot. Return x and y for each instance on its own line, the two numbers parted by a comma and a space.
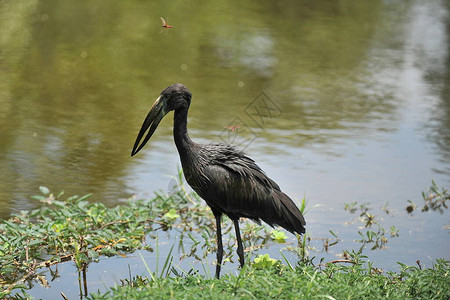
230, 182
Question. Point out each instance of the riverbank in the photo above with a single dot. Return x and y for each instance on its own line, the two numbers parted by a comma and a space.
79, 231
332, 281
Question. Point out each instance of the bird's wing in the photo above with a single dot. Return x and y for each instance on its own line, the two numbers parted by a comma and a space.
236, 161
239, 188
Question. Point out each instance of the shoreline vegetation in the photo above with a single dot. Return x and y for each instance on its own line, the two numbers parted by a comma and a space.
74, 229
278, 281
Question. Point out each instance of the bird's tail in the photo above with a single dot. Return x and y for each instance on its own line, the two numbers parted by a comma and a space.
286, 214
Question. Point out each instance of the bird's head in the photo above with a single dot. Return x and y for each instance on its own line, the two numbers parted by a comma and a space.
173, 97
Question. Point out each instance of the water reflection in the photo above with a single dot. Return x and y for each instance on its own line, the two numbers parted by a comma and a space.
436, 64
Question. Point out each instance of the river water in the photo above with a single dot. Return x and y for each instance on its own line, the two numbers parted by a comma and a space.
338, 101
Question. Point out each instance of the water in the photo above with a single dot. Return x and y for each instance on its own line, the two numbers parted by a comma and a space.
358, 92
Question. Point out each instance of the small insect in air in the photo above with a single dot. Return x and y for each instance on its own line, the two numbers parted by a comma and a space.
233, 128
164, 23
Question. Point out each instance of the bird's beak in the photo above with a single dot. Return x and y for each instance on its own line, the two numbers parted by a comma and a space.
155, 115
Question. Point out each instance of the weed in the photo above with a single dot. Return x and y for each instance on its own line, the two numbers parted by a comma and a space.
372, 232
74, 229
434, 199
356, 280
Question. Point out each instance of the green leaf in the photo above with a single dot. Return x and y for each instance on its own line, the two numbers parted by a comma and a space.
279, 236
171, 215
38, 197
264, 261
44, 190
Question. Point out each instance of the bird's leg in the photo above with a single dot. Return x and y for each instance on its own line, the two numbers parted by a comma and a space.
219, 244
240, 248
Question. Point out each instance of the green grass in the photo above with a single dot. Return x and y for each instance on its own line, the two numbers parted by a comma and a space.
357, 281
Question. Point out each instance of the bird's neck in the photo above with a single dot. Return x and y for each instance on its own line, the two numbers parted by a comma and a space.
180, 134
